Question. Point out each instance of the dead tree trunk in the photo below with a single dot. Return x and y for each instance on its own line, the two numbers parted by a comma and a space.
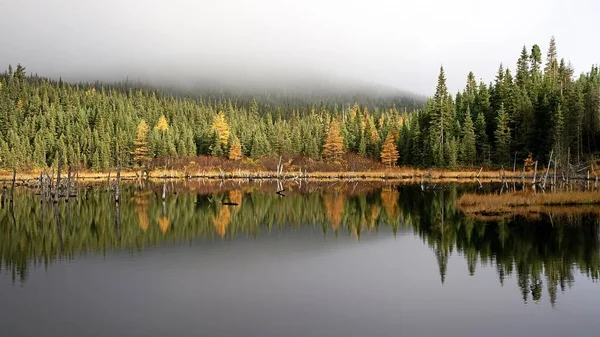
42, 187
547, 169
554, 179
164, 190
477, 176
57, 188
68, 190
535, 172
12, 187
568, 164
118, 184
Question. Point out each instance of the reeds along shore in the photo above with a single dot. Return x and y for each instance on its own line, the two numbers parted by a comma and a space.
408, 174
529, 203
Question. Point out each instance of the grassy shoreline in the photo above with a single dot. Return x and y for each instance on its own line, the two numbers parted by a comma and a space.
398, 174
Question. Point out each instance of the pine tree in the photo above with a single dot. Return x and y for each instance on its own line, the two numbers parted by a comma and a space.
522, 76
260, 145
389, 151
439, 120
451, 152
417, 141
372, 138
362, 145
235, 151
551, 68
557, 132
140, 153
468, 149
535, 68
216, 148
481, 139
333, 149
502, 137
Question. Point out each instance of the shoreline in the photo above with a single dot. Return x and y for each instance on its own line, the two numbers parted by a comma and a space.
394, 175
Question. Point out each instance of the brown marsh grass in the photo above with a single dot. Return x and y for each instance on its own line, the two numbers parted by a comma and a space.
529, 204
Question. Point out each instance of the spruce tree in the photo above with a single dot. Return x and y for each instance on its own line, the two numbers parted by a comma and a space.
440, 120
502, 137
468, 147
481, 139
522, 76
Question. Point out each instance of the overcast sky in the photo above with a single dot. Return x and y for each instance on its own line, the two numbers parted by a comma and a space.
393, 42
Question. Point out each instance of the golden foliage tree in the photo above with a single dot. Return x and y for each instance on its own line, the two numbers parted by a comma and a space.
389, 199
375, 210
162, 124
235, 196
163, 223
389, 152
221, 221
334, 204
222, 128
140, 151
141, 209
334, 143
235, 151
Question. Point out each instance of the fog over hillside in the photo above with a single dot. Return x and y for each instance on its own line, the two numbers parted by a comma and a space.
299, 45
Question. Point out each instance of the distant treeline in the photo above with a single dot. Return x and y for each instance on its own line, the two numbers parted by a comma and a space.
542, 108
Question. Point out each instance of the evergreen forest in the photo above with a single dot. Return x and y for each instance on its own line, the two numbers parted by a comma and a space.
541, 107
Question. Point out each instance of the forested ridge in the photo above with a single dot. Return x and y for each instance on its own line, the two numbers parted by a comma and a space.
543, 107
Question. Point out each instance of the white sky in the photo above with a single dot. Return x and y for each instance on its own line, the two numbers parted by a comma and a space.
398, 43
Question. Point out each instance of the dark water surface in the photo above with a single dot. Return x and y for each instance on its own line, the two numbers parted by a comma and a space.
329, 260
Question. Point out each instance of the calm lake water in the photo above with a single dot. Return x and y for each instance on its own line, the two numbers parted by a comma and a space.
325, 260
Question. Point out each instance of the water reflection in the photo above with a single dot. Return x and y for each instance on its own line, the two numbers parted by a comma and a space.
542, 253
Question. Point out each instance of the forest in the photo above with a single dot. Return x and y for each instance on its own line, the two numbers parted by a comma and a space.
543, 108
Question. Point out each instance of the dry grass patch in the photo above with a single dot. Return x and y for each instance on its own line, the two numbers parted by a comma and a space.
528, 203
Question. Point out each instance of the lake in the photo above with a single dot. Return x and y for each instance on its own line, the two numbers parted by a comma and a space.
326, 259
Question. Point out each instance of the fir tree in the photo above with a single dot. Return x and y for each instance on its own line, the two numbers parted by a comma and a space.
481, 139
468, 149
502, 137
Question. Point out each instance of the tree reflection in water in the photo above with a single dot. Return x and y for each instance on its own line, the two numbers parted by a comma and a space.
544, 252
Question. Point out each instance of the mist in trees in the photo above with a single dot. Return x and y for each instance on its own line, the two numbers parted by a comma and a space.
542, 108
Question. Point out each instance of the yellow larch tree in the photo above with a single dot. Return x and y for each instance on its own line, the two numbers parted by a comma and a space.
389, 199
334, 204
235, 151
162, 124
140, 143
141, 209
222, 128
163, 223
334, 143
375, 210
221, 221
389, 152
236, 196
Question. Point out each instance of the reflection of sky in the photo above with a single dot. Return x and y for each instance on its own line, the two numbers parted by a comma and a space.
293, 283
